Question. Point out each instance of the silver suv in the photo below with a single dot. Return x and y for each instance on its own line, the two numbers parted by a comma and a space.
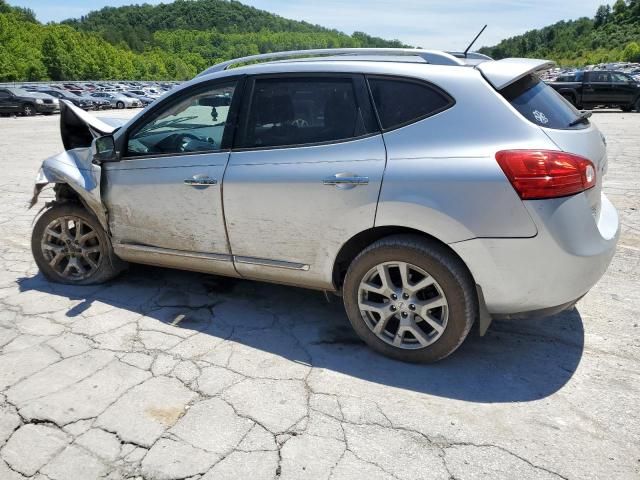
430, 191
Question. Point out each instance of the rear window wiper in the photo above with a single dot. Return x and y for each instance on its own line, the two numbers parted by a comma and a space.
582, 117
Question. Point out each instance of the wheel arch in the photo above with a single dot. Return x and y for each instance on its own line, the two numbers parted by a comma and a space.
73, 182
352, 247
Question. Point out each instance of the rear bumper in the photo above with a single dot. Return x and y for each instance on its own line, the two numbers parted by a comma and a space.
550, 271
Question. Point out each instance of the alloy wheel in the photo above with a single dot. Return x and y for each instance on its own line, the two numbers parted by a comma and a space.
72, 248
403, 305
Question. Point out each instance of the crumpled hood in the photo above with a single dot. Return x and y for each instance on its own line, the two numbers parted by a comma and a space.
78, 128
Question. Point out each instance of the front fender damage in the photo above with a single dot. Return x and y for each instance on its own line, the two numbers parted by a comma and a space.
75, 169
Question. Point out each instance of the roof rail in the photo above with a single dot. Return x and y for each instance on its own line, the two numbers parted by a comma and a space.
435, 57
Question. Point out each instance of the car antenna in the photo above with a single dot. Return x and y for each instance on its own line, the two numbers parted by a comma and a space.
474, 41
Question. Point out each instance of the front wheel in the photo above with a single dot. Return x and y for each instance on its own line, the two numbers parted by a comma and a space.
28, 110
410, 299
120, 105
70, 246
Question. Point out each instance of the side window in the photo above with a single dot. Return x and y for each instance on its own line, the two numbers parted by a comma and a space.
4, 94
302, 110
400, 101
599, 77
191, 124
620, 78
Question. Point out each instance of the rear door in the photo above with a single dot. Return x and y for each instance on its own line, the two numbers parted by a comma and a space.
303, 177
624, 89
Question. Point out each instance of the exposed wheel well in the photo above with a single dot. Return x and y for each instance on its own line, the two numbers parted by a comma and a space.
64, 193
362, 240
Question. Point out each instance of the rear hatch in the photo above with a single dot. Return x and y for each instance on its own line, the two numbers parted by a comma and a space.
557, 118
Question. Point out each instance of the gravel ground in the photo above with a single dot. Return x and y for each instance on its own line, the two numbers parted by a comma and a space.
163, 374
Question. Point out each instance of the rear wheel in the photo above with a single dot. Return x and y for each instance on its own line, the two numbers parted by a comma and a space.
410, 299
28, 110
70, 246
569, 98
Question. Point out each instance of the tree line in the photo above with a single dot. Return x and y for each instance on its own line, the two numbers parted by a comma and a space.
612, 35
142, 42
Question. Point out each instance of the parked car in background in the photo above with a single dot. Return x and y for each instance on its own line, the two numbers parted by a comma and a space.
429, 194
586, 89
143, 99
17, 100
86, 103
118, 100
98, 103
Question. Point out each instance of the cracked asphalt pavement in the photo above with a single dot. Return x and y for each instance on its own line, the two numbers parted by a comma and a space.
163, 374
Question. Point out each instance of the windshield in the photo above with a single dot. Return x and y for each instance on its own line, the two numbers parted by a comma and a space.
19, 91
542, 105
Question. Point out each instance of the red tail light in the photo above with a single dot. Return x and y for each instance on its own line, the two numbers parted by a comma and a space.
537, 174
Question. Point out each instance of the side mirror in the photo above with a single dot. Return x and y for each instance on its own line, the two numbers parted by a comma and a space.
104, 149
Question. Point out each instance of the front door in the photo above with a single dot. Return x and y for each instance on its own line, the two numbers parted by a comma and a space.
164, 196
597, 88
303, 177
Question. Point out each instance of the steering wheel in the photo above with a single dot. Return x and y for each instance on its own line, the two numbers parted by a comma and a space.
182, 139
300, 123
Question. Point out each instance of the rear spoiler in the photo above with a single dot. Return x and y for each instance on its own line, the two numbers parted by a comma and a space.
78, 128
502, 73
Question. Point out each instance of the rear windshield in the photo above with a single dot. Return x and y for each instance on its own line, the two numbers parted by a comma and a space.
542, 105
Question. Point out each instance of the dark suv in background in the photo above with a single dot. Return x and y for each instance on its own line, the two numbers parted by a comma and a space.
599, 87
17, 100
82, 102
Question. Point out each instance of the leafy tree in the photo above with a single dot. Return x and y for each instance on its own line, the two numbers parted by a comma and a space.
602, 15
631, 52
605, 38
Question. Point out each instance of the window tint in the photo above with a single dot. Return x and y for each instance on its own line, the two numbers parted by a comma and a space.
296, 111
599, 77
399, 102
542, 105
192, 124
620, 78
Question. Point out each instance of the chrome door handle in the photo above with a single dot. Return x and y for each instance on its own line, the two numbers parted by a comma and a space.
198, 181
342, 179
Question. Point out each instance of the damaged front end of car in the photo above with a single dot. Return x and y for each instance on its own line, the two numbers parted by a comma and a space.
76, 173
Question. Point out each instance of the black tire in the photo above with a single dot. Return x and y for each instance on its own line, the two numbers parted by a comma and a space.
108, 265
626, 108
28, 110
120, 105
569, 98
636, 106
446, 268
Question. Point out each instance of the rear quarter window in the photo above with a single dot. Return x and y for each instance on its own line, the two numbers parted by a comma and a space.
542, 105
400, 102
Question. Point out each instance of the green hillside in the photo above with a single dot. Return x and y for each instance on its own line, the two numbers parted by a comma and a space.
166, 41
612, 35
